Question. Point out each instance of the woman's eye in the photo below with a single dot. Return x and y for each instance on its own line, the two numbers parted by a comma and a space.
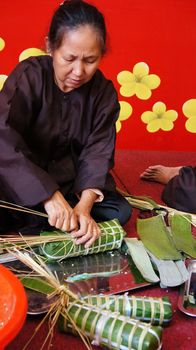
68, 59
90, 61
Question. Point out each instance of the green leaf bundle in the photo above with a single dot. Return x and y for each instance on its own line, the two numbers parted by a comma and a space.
111, 238
157, 311
110, 329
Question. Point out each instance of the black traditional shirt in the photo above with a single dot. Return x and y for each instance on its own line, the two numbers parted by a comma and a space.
53, 140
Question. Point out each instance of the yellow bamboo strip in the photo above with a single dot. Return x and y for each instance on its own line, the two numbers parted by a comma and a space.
119, 335
142, 337
152, 309
94, 324
161, 312
110, 333
131, 334
134, 306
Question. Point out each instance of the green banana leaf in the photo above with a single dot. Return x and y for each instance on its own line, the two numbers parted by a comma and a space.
157, 238
182, 234
37, 284
111, 238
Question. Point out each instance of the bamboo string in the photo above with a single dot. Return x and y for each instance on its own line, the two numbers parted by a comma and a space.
84, 319
153, 313
161, 312
142, 337
111, 333
113, 240
12, 206
134, 307
100, 326
131, 306
34, 240
143, 309
131, 334
127, 305
119, 334
94, 324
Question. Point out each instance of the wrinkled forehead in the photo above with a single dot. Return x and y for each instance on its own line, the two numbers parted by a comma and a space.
86, 34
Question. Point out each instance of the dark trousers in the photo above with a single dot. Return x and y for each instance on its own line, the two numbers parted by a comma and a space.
114, 206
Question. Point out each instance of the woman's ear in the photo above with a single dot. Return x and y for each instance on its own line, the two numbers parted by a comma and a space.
47, 44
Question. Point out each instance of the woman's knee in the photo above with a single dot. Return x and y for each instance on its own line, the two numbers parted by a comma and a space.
114, 206
125, 211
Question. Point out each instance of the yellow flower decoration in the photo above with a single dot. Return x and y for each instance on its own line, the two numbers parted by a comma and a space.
125, 112
2, 44
31, 52
139, 83
2, 80
189, 110
159, 118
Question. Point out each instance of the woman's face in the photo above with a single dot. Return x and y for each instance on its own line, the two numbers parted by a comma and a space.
77, 59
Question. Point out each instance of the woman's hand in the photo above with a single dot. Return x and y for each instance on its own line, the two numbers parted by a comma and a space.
60, 214
88, 231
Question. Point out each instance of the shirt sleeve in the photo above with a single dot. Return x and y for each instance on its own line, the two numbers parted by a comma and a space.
97, 156
22, 180
98, 192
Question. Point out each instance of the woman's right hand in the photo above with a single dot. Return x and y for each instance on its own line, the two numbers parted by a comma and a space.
60, 214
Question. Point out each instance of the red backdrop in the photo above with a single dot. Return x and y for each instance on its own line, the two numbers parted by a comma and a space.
159, 33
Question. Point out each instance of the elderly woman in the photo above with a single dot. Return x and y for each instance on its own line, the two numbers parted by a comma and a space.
57, 131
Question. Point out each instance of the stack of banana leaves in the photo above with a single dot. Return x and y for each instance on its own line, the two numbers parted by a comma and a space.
147, 203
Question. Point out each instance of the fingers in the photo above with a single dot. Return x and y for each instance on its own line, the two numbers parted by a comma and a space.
65, 221
63, 217
60, 214
59, 217
88, 233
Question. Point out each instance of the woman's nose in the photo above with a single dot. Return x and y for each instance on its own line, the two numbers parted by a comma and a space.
78, 68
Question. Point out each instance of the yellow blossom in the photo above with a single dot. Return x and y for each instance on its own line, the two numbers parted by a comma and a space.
159, 118
139, 83
2, 44
189, 110
125, 112
31, 52
3, 78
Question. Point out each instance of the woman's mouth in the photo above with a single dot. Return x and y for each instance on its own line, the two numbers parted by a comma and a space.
76, 81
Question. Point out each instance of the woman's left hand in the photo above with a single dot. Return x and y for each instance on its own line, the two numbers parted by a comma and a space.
88, 232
